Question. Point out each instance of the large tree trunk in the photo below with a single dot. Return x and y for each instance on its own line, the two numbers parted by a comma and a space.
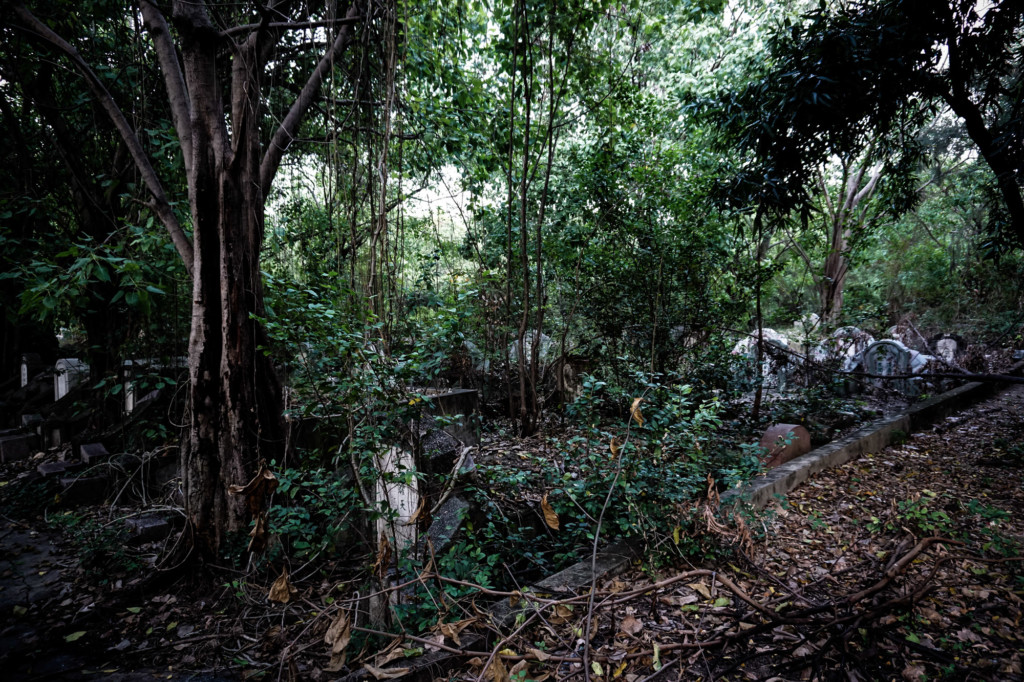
235, 397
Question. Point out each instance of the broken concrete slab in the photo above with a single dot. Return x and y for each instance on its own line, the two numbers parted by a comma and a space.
93, 453
447, 522
440, 451
83, 489
51, 469
17, 446
148, 528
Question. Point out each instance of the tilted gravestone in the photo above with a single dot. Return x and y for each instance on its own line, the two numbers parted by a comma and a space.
887, 359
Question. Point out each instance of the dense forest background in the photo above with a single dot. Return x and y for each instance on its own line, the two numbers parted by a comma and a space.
328, 209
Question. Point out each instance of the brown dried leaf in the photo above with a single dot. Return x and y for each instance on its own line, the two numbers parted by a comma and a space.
539, 655
383, 560
634, 412
339, 633
550, 517
562, 614
631, 626
616, 444
497, 672
282, 590
256, 491
453, 630
258, 534
701, 588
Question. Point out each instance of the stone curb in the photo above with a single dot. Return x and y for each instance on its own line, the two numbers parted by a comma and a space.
870, 438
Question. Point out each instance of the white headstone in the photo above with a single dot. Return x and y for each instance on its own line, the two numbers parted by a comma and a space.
397, 498
946, 349
68, 373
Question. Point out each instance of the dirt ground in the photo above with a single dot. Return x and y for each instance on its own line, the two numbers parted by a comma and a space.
903, 565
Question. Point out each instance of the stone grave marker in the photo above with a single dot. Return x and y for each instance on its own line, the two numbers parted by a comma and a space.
68, 373
30, 366
888, 358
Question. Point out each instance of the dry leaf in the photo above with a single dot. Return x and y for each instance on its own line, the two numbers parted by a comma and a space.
420, 510
383, 560
702, 588
539, 655
452, 630
339, 633
550, 517
497, 672
562, 614
520, 670
258, 534
616, 444
337, 637
631, 625
914, 672
282, 590
386, 674
256, 491
634, 412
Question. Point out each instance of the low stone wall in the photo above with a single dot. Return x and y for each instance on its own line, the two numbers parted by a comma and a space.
870, 438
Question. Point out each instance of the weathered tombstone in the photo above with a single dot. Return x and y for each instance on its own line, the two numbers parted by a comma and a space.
946, 349
783, 442
458, 406
30, 366
886, 359
398, 499
138, 366
147, 528
83, 489
543, 350
68, 373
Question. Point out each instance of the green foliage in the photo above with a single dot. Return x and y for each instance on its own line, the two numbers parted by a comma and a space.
314, 511
102, 547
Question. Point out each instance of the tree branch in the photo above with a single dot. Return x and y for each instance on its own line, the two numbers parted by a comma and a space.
289, 127
161, 206
174, 80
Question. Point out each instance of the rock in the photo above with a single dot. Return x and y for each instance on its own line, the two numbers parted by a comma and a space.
17, 446
543, 351
784, 442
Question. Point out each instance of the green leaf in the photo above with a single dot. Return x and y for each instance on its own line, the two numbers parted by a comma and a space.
74, 636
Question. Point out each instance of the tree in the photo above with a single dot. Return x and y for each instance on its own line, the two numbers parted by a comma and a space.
877, 70
217, 63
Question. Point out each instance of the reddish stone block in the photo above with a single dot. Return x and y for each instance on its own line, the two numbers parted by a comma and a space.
784, 442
